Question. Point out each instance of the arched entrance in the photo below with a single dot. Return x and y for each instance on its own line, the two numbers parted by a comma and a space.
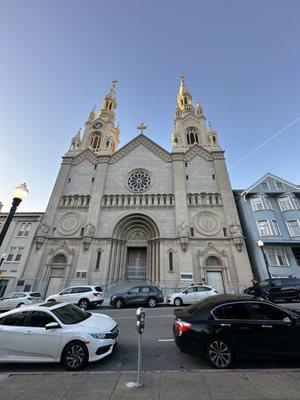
214, 273
57, 272
135, 249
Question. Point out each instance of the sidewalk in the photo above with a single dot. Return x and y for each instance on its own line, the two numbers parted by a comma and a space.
196, 385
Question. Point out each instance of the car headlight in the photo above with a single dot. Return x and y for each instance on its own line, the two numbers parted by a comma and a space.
98, 335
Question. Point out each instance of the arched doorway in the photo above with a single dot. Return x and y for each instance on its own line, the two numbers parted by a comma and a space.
57, 272
135, 249
214, 273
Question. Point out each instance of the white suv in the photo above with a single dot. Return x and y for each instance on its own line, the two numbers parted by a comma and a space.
191, 295
19, 299
84, 296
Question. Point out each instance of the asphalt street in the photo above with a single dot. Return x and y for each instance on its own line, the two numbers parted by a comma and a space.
159, 350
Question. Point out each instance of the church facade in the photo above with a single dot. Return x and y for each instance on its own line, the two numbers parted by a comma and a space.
140, 212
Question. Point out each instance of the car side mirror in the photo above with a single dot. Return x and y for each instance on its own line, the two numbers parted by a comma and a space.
52, 325
185, 292
287, 320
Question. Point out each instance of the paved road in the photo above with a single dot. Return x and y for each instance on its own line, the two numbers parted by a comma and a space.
159, 349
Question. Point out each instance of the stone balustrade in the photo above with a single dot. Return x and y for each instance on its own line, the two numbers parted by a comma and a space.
77, 201
204, 199
133, 200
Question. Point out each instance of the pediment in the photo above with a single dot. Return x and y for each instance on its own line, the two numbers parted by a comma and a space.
141, 140
198, 150
62, 248
211, 249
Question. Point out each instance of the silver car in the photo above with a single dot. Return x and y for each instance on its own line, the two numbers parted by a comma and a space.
19, 299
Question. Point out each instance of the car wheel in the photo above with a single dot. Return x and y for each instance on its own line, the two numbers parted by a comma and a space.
84, 304
20, 305
178, 302
74, 356
151, 302
119, 303
219, 354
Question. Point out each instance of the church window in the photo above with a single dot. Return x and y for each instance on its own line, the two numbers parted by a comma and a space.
185, 164
139, 181
69, 180
171, 265
59, 259
107, 143
224, 231
95, 141
22, 230
171, 200
213, 176
81, 231
187, 177
88, 200
95, 166
93, 179
192, 231
27, 230
192, 136
98, 260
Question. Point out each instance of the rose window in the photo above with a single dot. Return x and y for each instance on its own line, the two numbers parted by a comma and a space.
139, 181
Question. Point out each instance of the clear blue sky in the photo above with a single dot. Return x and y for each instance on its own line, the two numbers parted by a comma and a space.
240, 58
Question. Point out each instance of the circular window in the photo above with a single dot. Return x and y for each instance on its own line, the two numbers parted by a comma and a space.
139, 181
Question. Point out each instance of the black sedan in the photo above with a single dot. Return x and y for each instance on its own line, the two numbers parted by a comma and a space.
226, 327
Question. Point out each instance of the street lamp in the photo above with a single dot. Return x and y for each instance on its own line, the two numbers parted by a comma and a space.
261, 244
19, 193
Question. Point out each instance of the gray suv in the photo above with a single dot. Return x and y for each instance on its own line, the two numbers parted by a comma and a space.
138, 295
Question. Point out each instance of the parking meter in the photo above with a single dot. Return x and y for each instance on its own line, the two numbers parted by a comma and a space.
140, 323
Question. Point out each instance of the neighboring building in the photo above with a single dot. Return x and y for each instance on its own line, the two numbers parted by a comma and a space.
16, 246
270, 211
141, 212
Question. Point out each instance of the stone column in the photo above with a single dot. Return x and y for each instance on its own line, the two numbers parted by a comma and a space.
185, 261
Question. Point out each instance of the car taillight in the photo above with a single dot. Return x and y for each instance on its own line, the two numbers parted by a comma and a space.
182, 326
96, 294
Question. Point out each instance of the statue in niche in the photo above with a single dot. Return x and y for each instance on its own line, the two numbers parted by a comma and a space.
89, 230
183, 230
235, 229
44, 228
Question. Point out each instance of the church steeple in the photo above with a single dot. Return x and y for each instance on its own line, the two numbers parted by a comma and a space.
190, 126
101, 134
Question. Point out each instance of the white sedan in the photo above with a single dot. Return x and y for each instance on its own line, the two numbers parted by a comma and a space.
190, 295
19, 299
56, 332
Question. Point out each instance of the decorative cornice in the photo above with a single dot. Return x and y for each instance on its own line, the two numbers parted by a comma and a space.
85, 155
198, 150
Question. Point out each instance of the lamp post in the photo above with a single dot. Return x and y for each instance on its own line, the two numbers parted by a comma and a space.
261, 244
19, 193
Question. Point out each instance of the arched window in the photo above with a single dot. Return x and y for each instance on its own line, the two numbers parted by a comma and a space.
171, 262
27, 230
213, 261
95, 141
22, 230
59, 259
192, 136
98, 260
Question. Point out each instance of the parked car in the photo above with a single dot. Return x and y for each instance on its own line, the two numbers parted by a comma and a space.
226, 327
138, 295
281, 289
19, 299
56, 332
84, 296
190, 295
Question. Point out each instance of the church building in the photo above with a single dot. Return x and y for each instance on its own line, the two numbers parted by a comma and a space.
140, 213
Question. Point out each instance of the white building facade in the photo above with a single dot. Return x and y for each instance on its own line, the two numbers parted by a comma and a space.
140, 212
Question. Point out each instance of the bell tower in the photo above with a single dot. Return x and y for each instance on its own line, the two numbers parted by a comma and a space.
190, 125
101, 134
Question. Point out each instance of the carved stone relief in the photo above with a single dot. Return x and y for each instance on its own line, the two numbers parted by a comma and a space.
69, 223
207, 223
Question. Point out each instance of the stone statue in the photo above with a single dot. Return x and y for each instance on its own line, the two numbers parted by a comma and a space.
183, 230
89, 230
44, 228
235, 229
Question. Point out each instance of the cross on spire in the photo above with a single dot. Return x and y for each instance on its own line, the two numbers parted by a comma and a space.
142, 127
114, 82
181, 78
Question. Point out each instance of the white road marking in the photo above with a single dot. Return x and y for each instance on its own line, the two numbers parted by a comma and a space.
166, 340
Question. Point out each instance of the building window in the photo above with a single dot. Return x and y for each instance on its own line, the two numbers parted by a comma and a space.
22, 230
95, 166
81, 274
224, 231
81, 231
276, 229
285, 203
187, 177
171, 264
296, 202
192, 136
279, 185
69, 180
98, 260
188, 276
264, 228
265, 186
27, 230
276, 257
192, 231
95, 141
213, 176
15, 254
257, 204
185, 164
93, 179
293, 227
268, 203
296, 252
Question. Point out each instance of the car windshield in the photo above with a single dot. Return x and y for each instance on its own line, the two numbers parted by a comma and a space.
197, 306
70, 314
